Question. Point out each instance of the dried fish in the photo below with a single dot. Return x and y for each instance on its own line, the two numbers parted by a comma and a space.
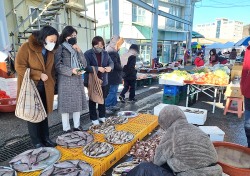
114, 120
194, 111
102, 129
119, 137
35, 159
69, 168
124, 167
98, 149
6, 171
75, 139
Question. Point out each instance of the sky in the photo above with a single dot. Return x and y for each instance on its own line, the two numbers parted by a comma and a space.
207, 11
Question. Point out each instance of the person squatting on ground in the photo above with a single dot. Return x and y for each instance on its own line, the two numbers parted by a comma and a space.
69, 64
245, 89
184, 149
115, 76
129, 75
38, 55
98, 58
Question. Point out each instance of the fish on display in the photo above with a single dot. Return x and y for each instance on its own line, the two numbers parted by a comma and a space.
114, 120
102, 129
124, 167
145, 150
119, 137
6, 171
69, 168
98, 149
75, 139
35, 159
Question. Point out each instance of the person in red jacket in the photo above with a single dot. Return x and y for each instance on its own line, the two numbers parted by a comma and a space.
199, 62
245, 86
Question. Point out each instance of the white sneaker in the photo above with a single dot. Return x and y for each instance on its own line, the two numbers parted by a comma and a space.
103, 119
95, 122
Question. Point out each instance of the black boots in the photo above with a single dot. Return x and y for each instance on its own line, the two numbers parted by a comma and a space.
48, 143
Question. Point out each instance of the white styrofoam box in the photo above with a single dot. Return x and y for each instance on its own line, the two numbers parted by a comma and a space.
193, 118
171, 82
9, 85
214, 132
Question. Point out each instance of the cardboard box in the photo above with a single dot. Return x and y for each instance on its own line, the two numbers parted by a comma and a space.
233, 91
235, 73
215, 133
193, 118
237, 67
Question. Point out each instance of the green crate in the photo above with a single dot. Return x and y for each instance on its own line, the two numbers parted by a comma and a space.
168, 99
183, 95
148, 81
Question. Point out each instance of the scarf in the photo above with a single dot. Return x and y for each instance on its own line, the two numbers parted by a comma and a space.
74, 56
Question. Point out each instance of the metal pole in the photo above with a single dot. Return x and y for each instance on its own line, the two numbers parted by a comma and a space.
3, 28
115, 16
94, 17
38, 18
154, 25
110, 19
86, 25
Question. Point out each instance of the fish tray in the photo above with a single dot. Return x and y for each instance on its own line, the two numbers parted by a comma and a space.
100, 156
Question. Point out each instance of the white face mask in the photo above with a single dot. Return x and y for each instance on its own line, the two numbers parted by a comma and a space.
49, 46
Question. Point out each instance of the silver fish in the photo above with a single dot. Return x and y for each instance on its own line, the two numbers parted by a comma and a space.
48, 172
43, 156
64, 164
21, 167
37, 151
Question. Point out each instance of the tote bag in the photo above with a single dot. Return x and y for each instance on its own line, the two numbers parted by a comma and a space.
29, 104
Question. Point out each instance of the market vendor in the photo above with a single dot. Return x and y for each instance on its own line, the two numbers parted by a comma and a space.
214, 59
199, 62
184, 149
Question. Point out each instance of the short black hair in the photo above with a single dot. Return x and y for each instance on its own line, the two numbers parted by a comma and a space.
42, 34
96, 40
199, 53
233, 49
66, 32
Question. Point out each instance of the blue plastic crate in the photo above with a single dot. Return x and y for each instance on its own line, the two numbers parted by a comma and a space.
183, 89
171, 90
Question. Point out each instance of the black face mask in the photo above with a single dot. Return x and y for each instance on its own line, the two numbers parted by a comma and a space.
72, 41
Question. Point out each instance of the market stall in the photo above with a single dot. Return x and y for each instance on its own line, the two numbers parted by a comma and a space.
209, 81
139, 125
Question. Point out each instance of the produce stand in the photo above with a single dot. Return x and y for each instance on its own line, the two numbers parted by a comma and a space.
208, 89
140, 126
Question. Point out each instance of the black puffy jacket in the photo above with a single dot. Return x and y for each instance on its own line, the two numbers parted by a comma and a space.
115, 76
129, 71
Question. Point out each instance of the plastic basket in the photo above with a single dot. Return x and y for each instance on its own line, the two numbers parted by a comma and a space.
171, 90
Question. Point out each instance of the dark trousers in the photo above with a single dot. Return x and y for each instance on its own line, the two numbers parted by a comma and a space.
247, 120
101, 107
150, 169
39, 131
129, 85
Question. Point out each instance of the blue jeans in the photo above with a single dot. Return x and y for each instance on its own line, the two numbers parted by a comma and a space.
111, 99
247, 120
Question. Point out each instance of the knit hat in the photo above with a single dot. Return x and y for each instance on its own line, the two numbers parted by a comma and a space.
134, 47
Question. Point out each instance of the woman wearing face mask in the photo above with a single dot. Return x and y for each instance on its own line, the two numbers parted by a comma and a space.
100, 60
37, 54
70, 63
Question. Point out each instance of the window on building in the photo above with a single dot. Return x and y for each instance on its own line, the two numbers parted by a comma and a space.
106, 11
34, 16
138, 14
218, 29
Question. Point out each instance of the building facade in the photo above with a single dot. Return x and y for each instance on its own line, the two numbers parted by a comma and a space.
25, 16
246, 31
222, 28
135, 24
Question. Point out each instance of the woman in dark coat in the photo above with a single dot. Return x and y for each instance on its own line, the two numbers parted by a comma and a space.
38, 55
129, 76
98, 58
69, 64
